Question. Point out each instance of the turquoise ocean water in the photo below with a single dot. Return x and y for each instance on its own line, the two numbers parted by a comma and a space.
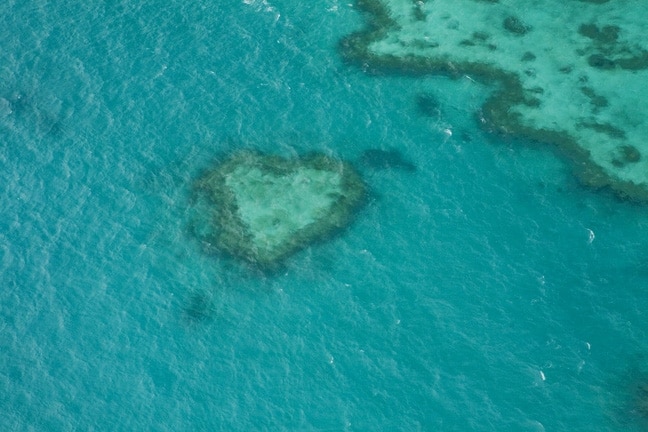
487, 290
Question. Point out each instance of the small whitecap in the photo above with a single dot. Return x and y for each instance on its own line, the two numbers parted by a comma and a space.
591, 236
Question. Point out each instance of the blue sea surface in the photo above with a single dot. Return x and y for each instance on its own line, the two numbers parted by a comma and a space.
486, 290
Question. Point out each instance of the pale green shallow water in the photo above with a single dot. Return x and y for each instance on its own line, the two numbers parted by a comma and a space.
486, 290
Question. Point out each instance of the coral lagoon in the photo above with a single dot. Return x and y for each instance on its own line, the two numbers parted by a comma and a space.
572, 73
263, 208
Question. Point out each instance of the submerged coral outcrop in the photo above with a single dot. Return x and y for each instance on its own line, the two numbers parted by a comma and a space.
571, 74
386, 159
263, 208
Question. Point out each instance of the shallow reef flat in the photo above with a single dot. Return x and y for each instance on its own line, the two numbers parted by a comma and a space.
570, 73
263, 208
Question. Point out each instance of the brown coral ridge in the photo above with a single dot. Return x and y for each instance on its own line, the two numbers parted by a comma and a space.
496, 115
266, 232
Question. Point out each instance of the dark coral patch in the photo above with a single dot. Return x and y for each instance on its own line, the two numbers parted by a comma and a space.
528, 56
599, 61
427, 105
386, 159
515, 26
636, 62
605, 35
605, 128
597, 100
198, 308
626, 155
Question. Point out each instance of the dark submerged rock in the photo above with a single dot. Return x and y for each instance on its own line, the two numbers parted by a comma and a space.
427, 105
386, 159
599, 61
198, 308
515, 26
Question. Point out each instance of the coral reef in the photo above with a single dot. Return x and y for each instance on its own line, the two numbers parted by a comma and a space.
573, 78
263, 208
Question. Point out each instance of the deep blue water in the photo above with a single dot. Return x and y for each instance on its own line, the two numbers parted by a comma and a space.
467, 295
